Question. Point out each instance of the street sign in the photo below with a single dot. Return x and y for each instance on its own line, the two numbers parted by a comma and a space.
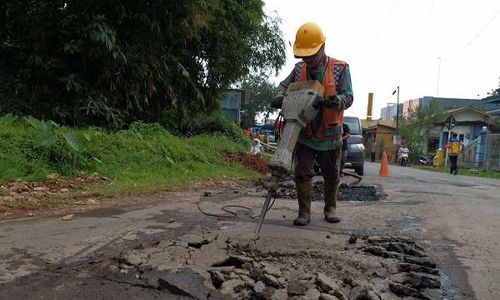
450, 122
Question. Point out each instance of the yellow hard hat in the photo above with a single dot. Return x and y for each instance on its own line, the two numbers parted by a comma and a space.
308, 40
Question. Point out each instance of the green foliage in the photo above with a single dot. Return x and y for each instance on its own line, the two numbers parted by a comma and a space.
143, 156
416, 128
466, 171
48, 135
8, 119
381, 145
263, 93
110, 63
215, 123
494, 125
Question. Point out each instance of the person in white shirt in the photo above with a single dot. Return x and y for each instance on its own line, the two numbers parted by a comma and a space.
256, 147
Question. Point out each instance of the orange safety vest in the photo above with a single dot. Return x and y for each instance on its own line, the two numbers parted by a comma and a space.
330, 118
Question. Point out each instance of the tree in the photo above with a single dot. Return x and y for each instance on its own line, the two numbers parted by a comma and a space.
495, 125
110, 62
415, 129
263, 93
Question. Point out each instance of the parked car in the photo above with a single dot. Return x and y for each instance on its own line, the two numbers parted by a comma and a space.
355, 149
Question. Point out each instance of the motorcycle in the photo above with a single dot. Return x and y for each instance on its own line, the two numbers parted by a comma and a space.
404, 160
426, 159
404, 157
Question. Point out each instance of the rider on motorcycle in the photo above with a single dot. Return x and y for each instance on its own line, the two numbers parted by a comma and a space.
403, 155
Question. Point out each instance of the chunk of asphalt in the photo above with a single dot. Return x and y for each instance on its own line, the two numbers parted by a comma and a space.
233, 260
405, 291
407, 267
184, 282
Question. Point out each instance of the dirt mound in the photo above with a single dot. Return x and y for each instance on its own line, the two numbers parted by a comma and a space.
251, 161
22, 195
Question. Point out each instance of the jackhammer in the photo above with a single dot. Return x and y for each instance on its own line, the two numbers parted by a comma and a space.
300, 106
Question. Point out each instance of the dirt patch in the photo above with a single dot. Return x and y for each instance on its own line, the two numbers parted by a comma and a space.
58, 196
250, 161
18, 196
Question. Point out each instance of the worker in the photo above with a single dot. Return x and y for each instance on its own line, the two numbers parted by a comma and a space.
454, 149
346, 134
247, 132
322, 138
256, 148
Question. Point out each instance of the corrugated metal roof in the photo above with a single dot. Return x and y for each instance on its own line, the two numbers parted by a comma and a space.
465, 108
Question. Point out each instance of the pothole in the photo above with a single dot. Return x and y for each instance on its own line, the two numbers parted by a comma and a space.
373, 268
361, 193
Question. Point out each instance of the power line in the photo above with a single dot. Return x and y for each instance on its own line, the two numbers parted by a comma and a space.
386, 18
476, 36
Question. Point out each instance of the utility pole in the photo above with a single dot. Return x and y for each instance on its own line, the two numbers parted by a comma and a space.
396, 138
397, 112
369, 108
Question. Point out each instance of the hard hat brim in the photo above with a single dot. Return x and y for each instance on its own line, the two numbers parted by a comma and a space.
305, 52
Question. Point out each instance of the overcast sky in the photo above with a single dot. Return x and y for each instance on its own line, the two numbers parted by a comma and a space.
404, 42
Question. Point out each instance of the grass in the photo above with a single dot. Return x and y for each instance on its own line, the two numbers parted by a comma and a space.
467, 171
144, 158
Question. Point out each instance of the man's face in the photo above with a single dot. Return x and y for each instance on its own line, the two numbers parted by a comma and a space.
315, 61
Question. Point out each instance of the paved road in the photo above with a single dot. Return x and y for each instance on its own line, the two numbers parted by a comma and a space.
457, 217
460, 212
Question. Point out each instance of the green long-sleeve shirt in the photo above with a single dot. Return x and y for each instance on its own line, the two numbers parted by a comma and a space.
344, 94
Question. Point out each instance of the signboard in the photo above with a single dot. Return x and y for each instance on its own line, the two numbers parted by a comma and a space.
396, 139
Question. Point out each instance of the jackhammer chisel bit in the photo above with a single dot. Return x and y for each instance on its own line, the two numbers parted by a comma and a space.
263, 212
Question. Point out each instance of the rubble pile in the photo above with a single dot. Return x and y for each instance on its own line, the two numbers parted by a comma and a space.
346, 193
416, 275
205, 265
251, 161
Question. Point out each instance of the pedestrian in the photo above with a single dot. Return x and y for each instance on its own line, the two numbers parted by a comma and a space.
247, 132
373, 151
256, 148
322, 139
454, 147
346, 134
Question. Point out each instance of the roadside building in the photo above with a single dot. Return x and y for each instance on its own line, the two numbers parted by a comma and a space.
381, 132
468, 123
492, 103
389, 112
232, 104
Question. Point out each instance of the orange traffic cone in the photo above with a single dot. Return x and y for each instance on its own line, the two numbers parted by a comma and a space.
384, 166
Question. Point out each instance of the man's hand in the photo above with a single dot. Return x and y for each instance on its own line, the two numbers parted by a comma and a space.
333, 102
277, 101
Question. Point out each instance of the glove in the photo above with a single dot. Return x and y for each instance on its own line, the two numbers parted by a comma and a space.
277, 101
333, 102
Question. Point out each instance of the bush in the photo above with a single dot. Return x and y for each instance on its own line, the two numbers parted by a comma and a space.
143, 151
216, 123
